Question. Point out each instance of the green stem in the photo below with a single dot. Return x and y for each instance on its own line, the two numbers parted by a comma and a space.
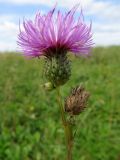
67, 127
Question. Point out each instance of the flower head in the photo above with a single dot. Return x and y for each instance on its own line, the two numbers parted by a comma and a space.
55, 33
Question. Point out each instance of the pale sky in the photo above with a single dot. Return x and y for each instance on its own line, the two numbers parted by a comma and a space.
104, 14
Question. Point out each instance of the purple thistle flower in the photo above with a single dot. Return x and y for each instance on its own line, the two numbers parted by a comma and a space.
55, 33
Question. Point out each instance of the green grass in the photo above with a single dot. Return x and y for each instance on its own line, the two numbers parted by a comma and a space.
30, 126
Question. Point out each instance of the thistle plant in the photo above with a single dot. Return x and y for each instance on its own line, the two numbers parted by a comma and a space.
52, 36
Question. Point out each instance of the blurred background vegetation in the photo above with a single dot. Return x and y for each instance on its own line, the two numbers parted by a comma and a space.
30, 126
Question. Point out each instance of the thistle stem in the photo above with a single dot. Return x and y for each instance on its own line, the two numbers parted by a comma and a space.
67, 127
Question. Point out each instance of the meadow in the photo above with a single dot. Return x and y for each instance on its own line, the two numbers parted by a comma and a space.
30, 124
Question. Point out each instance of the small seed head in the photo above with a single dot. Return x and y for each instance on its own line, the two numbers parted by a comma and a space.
76, 102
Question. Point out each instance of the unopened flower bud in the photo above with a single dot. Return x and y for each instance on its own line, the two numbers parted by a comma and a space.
48, 86
76, 102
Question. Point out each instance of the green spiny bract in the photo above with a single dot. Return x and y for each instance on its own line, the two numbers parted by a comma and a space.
57, 69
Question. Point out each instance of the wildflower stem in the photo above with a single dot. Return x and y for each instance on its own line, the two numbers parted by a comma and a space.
67, 127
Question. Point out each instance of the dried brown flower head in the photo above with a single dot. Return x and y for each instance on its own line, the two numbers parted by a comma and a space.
76, 102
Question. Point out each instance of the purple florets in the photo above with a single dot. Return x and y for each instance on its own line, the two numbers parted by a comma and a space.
55, 33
